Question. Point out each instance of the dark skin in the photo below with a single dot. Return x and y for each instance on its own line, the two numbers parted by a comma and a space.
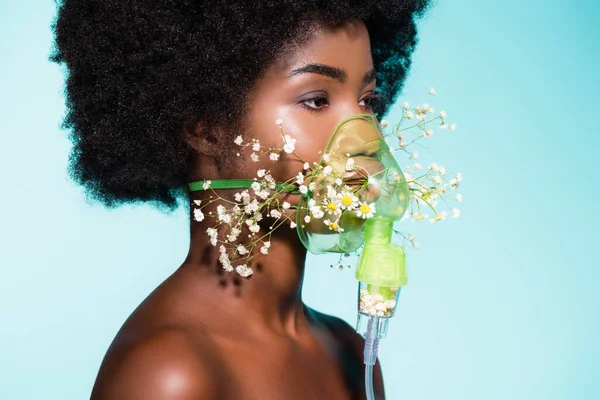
205, 333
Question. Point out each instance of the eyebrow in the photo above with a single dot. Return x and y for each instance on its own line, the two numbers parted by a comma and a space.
331, 72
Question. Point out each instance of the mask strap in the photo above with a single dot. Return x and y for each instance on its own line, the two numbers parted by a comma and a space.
238, 184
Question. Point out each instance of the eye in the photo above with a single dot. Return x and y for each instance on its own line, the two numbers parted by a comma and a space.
370, 100
315, 103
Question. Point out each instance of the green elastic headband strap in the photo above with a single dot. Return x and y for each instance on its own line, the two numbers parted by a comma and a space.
238, 184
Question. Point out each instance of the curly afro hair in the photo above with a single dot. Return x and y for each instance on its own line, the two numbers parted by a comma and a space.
139, 71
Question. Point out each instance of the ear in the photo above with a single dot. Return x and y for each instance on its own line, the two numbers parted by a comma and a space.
205, 141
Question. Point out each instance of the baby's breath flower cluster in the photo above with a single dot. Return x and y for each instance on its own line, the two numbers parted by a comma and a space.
236, 230
241, 217
428, 186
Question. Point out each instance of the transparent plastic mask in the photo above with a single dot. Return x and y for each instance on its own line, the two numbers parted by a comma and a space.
359, 138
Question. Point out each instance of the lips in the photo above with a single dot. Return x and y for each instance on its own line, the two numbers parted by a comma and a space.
365, 167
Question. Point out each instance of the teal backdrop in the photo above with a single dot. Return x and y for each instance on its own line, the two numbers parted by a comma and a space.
502, 303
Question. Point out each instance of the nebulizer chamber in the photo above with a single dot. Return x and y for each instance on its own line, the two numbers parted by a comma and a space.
381, 269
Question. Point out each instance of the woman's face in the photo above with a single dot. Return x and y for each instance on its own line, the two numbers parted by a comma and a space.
319, 83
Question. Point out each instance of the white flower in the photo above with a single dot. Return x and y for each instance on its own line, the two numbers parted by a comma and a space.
197, 202
256, 146
417, 166
317, 212
285, 205
327, 170
333, 226
251, 207
415, 155
254, 157
307, 219
275, 214
349, 164
440, 216
261, 173
224, 259
365, 210
303, 189
292, 224
241, 249
237, 197
255, 186
274, 156
436, 179
306, 165
452, 127
265, 248
235, 232
289, 144
263, 194
384, 123
406, 105
458, 198
300, 178
238, 140
245, 197
454, 183
458, 176
455, 213
254, 228
348, 200
428, 132
243, 270
442, 170
410, 115
333, 207
443, 114
411, 238
206, 185
212, 233
326, 157
433, 167
198, 215
432, 91
338, 181
279, 121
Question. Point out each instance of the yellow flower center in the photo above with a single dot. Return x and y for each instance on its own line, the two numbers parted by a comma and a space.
332, 206
365, 209
334, 226
346, 200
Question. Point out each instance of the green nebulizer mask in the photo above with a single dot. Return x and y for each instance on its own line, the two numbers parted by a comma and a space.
358, 152
357, 142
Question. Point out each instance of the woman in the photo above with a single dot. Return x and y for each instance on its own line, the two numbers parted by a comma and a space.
156, 93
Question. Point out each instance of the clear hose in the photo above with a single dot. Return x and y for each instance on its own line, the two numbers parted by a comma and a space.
369, 382
376, 329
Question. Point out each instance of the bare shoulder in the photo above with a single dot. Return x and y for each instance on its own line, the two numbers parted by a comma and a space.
352, 343
165, 365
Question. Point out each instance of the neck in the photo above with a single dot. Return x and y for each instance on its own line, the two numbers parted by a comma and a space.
269, 300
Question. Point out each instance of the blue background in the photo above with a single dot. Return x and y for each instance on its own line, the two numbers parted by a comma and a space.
501, 303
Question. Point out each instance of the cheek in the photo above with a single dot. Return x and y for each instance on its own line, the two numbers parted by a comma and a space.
312, 134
